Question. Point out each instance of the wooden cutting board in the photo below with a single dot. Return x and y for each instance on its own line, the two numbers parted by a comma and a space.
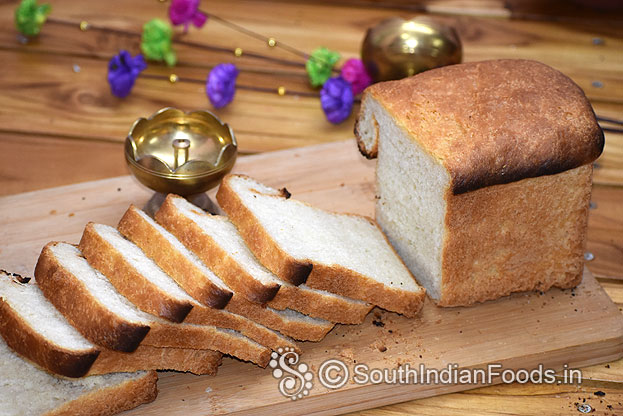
574, 327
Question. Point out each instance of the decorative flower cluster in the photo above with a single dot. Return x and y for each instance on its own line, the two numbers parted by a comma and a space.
30, 16
336, 95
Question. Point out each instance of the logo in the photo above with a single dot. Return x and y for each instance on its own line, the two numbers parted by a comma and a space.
295, 381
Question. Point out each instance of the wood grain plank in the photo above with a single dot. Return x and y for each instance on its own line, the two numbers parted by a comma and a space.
513, 399
44, 162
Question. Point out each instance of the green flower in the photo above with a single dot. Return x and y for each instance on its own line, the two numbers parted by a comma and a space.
29, 17
156, 42
319, 65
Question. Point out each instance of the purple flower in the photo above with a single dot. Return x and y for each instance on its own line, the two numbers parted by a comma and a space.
123, 71
221, 84
336, 98
354, 71
184, 12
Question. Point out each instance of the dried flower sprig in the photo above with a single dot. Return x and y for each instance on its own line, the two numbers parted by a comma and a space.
320, 65
336, 99
156, 42
30, 17
185, 12
221, 84
354, 71
123, 70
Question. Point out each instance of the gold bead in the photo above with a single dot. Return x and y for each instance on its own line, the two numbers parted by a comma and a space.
281, 90
271, 42
173, 78
238, 52
84, 25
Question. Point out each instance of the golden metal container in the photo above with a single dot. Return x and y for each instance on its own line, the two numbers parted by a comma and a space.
397, 48
177, 152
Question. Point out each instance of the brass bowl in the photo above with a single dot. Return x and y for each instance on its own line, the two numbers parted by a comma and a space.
177, 152
397, 48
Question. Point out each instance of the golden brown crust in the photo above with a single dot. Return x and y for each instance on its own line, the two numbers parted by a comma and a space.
347, 282
92, 319
299, 330
224, 319
330, 308
156, 246
514, 119
29, 343
145, 357
530, 235
112, 400
206, 337
259, 241
128, 281
211, 253
370, 152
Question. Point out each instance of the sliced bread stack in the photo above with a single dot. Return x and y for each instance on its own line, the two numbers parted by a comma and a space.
35, 329
179, 291
90, 301
217, 242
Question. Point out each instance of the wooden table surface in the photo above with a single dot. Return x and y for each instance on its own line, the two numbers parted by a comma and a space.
59, 124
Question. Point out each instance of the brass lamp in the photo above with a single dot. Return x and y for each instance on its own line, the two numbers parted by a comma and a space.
186, 153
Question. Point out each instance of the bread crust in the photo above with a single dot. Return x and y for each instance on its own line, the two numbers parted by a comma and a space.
128, 281
332, 278
259, 241
224, 319
205, 337
29, 343
136, 229
298, 330
199, 362
370, 152
211, 253
531, 236
522, 119
347, 282
112, 400
333, 309
92, 319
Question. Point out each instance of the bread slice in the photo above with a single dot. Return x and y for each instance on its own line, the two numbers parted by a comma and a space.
139, 228
93, 300
176, 260
199, 362
203, 239
340, 253
133, 274
85, 298
291, 323
31, 326
217, 241
27, 390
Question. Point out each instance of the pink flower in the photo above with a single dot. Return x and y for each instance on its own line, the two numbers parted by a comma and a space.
355, 72
184, 12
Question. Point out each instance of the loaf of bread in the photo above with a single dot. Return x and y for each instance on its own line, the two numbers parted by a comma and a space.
483, 176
